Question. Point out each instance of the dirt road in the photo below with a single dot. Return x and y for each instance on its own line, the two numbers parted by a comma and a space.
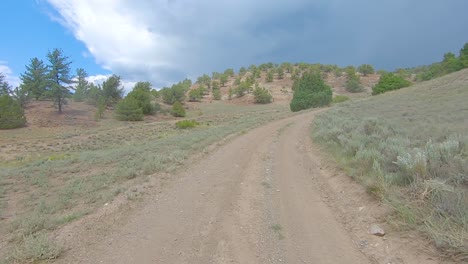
253, 200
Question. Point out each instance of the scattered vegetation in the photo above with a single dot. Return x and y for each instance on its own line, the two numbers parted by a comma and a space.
88, 167
410, 149
310, 91
450, 63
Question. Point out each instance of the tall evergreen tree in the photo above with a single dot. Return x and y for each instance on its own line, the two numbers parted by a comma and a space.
5, 88
35, 79
59, 77
81, 89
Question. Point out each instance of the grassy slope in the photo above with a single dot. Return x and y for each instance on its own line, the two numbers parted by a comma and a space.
410, 147
43, 190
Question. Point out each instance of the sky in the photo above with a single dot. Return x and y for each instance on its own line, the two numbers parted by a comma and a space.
165, 41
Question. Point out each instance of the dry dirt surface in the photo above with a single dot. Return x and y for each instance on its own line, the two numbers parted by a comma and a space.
263, 197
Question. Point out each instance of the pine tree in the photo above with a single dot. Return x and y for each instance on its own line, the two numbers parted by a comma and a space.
112, 90
35, 79
81, 89
59, 77
5, 88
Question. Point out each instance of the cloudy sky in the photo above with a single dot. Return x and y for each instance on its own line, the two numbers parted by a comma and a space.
164, 41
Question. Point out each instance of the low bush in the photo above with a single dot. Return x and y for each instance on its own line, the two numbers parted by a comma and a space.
262, 96
184, 124
354, 86
178, 109
11, 113
389, 82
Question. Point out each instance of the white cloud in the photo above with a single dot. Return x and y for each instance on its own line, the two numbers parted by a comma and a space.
10, 77
163, 41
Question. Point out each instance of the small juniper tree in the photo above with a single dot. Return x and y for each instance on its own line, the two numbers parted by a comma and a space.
11, 113
128, 109
262, 95
310, 91
178, 109
366, 69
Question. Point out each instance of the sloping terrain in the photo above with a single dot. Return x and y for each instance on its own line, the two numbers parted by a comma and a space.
409, 147
264, 197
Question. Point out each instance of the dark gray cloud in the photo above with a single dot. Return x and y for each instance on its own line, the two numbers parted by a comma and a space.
165, 41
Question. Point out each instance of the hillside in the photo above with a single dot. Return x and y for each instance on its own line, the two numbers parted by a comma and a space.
409, 147
281, 89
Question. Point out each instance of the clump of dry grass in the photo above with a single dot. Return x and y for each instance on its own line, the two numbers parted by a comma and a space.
410, 148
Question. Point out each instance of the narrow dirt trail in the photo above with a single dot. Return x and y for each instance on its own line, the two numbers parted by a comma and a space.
253, 200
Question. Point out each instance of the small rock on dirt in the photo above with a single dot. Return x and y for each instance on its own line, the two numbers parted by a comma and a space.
376, 230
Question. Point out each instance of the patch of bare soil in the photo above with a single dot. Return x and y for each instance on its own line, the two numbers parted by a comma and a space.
264, 197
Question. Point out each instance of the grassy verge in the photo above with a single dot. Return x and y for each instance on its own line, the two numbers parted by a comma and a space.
410, 148
42, 191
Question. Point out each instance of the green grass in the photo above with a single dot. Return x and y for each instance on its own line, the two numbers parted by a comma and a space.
184, 124
89, 167
410, 148
339, 99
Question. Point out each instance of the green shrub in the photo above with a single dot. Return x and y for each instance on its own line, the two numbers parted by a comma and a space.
11, 113
339, 99
310, 91
178, 110
366, 69
389, 82
128, 109
36, 248
216, 94
143, 98
354, 86
262, 95
195, 95
187, 124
